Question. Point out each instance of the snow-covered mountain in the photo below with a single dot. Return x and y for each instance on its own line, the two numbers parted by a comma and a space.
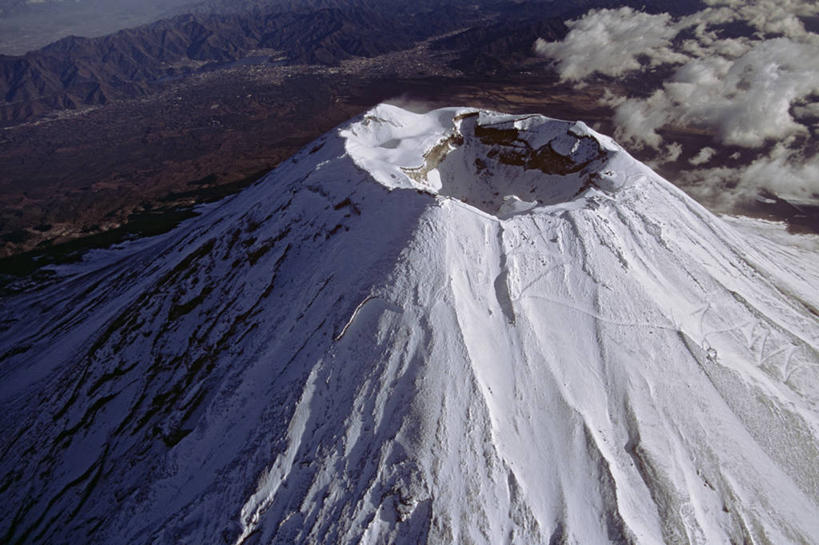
456, 327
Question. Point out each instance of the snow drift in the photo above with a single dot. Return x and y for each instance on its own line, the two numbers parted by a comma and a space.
456, 327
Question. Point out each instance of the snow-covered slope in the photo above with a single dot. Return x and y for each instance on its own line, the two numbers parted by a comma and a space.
457, 327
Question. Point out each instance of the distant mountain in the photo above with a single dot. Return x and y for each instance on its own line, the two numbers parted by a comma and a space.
81, 71
499, 46
457, 327
27, 25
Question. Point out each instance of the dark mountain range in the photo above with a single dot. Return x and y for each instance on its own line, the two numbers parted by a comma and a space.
81, 71
77, 71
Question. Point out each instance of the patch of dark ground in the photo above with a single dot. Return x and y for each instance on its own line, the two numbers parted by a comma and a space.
30, 265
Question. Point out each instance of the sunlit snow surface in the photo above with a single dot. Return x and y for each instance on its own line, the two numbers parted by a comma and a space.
457, 327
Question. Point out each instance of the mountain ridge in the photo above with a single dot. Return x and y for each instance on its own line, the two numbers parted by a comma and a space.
129, 64
76, 72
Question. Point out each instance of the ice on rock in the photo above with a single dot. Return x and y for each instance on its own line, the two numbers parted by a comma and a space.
481, 158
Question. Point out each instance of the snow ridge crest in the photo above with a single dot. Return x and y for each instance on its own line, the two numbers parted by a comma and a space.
499, 163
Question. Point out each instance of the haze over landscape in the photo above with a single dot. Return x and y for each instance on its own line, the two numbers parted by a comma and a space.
313, 271
26, 25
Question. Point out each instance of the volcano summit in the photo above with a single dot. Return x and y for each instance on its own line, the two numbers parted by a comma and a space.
452, 327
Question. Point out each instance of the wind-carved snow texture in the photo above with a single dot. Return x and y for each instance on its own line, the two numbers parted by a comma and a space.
457, 327
500, 164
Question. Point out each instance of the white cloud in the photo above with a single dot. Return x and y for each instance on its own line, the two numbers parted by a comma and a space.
609, 41
744, 101
717, 187
638, 120
810, 109
783, 171
750, 91
703, 156
766, 16
673, 152
785, 174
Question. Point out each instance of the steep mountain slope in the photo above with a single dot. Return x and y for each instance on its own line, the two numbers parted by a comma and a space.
458, 327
